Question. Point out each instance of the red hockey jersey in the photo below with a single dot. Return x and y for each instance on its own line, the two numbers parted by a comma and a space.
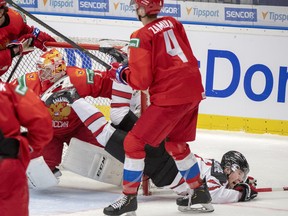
161, 60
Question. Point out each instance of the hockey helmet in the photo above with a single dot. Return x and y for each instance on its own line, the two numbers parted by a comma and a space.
2, 3
51, 66
234, 160
151, 6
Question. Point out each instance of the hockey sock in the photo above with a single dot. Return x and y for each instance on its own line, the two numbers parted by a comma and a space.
189, 170
132, 175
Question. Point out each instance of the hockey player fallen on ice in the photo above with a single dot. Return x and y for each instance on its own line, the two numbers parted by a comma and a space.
227, 181
17, 38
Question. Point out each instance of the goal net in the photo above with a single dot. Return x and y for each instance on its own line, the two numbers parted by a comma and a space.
73, 57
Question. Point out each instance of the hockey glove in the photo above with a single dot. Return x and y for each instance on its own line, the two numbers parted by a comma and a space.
9, 147
116, 72
68, 95
41, 38
251, 181
118, 55
21, 47
249, 192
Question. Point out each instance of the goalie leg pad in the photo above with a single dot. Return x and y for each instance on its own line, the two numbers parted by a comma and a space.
93, 162
39, 174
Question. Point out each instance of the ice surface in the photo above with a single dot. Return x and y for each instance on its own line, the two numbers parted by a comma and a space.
266, 154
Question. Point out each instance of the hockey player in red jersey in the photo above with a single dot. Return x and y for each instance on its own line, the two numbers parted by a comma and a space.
161, 60
16, 37
19, 106
52, 76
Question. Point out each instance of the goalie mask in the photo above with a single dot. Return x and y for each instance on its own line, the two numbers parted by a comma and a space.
152, 7
234, 160
51, 66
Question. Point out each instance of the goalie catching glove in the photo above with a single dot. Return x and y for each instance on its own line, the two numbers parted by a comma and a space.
248, 191
116, 72
68, 95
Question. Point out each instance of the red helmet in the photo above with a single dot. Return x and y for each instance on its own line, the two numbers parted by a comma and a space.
150, 6
2, 3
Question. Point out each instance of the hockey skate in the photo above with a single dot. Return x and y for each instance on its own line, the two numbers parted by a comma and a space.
199, 201
125, 204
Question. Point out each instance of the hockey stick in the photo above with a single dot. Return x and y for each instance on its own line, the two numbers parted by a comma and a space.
272, 189
107, 66
14, 69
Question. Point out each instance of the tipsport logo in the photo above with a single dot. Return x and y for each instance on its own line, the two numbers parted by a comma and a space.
200, 13
58, 3
275, 17
27, 3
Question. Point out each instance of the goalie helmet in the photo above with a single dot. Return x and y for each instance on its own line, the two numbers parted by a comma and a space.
151, 6
51, 66
234, 160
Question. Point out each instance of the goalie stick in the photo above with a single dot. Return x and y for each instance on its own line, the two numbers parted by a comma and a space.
13, 4
269, 189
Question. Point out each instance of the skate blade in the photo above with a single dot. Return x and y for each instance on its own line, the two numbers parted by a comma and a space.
203, 208
133, 213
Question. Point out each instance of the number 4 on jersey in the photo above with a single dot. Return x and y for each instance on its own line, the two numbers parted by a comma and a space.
170, 40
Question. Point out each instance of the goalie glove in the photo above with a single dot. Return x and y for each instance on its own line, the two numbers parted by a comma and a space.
249, 192
68, 95
116, 72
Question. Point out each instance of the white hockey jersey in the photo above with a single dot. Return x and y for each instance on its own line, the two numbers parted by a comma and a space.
216, 179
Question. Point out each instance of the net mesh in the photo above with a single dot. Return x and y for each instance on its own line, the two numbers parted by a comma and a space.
73, 57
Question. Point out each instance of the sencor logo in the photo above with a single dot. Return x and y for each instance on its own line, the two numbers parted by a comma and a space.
94, 5
173, 10
27, 3
241, 14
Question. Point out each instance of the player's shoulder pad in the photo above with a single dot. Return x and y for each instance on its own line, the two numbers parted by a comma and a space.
17, 13
218, 172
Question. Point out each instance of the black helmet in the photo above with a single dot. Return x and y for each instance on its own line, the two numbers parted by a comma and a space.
235, 160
